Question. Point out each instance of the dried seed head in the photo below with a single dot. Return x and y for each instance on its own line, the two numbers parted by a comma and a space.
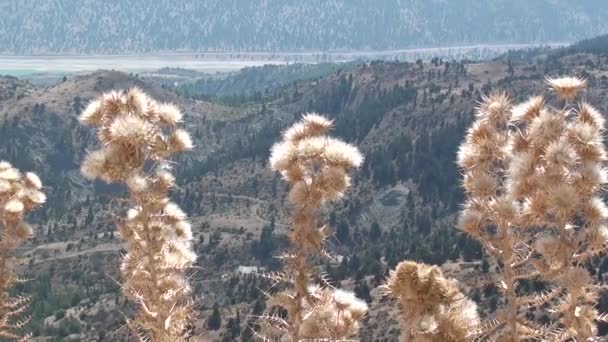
547, 127
136, 101
182, 230
14, 206
33, 181
335, 181
564, 199
169, 114
547, 244
494, 108
481, 184
10, 174
94, 164
282, 156
4, 165
311, 147
471, 221
575, 278
112, 104
164, 179
173, 212
527, 111
180, 141
92, 114
311, 125
23, 231
339, 153
589, 115
137, 183
5, 186
566, 88
504, 209
34, 198
587, 141
129, 129
595, 211
560, 153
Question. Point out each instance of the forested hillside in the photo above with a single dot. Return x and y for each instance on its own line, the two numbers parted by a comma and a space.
89, 26
406, 118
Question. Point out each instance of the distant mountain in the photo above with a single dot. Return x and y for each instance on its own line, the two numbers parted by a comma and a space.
120, 26
593, 45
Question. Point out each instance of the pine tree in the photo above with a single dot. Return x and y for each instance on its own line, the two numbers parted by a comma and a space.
215, 320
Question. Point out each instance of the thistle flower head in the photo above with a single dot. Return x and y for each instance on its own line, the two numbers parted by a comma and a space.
525, 112
136, 101
93, 113
14, 206
339, 153
471, 220
129, 129
335, 314
173, 212
559, 153
93, 165
180, 140
137, 183
311, 125
33, 181
10, 174
481, 184
306, 154
23, 231
431, 304
169, 114
589, 115
4, 165
546, 127
494, 108
566, 87
594, 211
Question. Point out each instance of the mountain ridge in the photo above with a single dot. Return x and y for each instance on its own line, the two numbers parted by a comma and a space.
44, 26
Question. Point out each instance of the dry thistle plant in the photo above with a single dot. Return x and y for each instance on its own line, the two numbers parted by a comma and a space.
315, 166
19, 194
138, 136
533, 175
432, 306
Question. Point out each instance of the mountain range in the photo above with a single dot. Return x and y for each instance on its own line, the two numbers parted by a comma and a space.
142, 26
